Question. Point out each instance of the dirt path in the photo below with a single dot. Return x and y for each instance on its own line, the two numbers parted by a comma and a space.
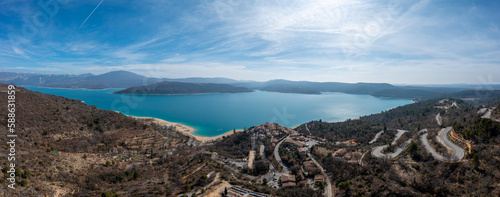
217, 190
194, 171
251, 158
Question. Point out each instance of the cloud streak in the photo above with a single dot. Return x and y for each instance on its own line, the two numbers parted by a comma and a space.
90, 14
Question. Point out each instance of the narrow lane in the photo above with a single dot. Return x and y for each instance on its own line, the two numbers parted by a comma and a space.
429, 148
277, 155
487, 114
328, 182
377, 152
398, 135
438, 119
215, 158
376, 137
458, 152
307, 128
482, 110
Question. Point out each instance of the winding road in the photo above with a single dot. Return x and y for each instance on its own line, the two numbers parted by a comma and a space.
430, 149
438, 119
487, 114
307, 128
398, 135
443, 135
278, 158
376, 137
482, 110
327, 178
273, 173
377, 152
458, 152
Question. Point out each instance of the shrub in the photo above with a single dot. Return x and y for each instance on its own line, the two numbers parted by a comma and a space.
110, 194
136, 175
24, 182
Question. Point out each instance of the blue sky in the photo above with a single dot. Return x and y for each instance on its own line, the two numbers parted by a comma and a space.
402, 42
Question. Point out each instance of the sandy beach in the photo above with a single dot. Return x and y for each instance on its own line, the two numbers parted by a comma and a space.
184, 129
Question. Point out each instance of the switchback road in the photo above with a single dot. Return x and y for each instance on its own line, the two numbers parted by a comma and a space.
459, 153
376, 137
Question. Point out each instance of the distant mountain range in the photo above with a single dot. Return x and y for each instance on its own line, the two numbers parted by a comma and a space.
374, 89
114, 79
125, 79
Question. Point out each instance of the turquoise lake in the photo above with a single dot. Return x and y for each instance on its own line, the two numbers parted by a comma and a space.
214, 114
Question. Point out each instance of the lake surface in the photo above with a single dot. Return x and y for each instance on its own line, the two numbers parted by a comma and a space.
214, 114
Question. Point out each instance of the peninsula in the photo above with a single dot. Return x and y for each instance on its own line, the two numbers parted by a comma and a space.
166, 88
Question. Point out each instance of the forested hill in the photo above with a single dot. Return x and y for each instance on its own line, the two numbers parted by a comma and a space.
125, 79
113, 79
409, 117
65, 147
415, 171
183, 88
374, 89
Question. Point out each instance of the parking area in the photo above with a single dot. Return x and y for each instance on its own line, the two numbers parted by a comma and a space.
244, 192
311, 143
237, 162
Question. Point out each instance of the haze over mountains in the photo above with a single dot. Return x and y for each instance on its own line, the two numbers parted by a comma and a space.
114, 79
125, 79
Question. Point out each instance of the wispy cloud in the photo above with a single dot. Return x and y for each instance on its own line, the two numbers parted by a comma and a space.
324, 40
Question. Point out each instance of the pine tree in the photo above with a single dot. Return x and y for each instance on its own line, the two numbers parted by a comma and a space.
475, 161
136, 175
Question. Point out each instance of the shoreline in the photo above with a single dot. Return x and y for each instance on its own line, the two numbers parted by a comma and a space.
252, 90
184, 129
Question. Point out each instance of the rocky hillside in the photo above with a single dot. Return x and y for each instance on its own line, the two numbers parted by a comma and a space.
47, 121
65, 147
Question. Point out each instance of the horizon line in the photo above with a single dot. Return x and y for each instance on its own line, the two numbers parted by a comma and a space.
241, 80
